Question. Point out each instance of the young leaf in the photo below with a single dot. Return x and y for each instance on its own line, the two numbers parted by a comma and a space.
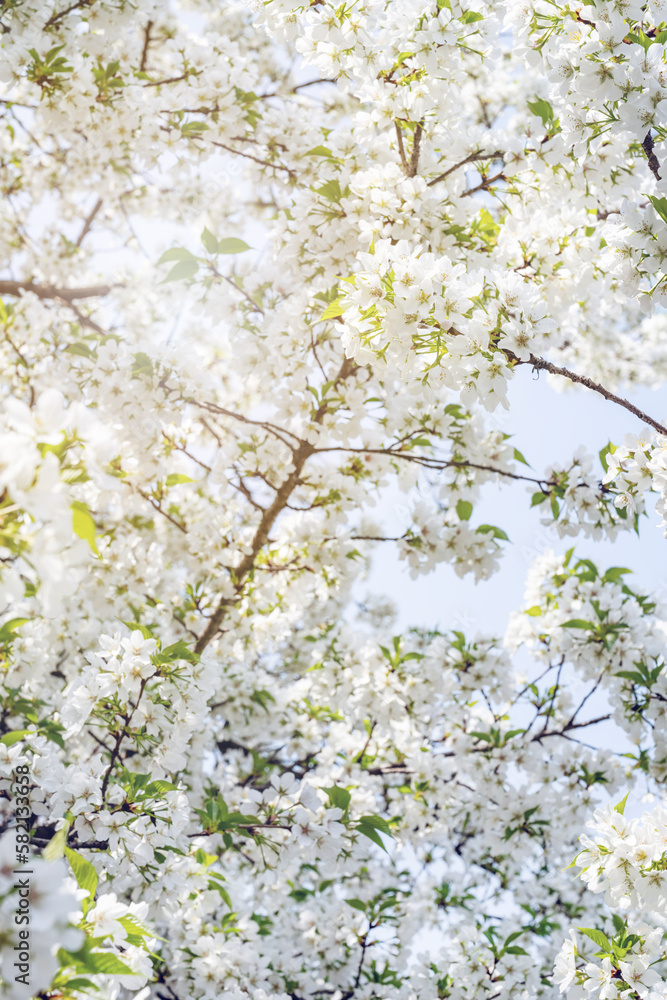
232, 245
83, 524
176, 478
210, 241
620, 806
84, 872
464, 510
176, 253
333, 310
541, 109
339, 797
182, 270
597, 937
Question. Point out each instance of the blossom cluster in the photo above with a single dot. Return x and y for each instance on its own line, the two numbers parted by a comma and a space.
272, 270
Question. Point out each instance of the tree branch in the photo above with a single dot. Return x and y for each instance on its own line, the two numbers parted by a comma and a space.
88, 222
147, 42
68, 10
249, 156
473, 158
414, 158
300, 456
51, 292
401, 147
437, 463
540, 364
485, 184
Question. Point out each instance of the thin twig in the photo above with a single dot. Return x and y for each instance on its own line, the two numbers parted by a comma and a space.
147, 42
540, 364
85, 320
68, 10
172, 79
485, 184
156, 506
249, 156
238, 288
88, 222
437, 463
469, 159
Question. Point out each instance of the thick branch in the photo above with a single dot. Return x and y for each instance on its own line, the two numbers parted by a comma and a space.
414, 159
50, 292
300, 456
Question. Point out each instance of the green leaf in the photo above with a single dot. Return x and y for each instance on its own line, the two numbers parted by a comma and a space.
620, 806
82, 350
578, 623
178, 651
194, 128
640, 38
608, 449
142, 364
597, 937
136, 928
182, 270
81, 983
470, 16
106, 963
320, 151
535, 611
356, 904
369, 826
176, 253
331, 190
232, 245
491, 529
56, 846
518, 457
615, 573
9, 739
541, 109
333, 310
176, 478
660, 205
160, 787
136, 627
537, 498
464, 510
9, 627
83, 524
210, 241
339, 798
84, 873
